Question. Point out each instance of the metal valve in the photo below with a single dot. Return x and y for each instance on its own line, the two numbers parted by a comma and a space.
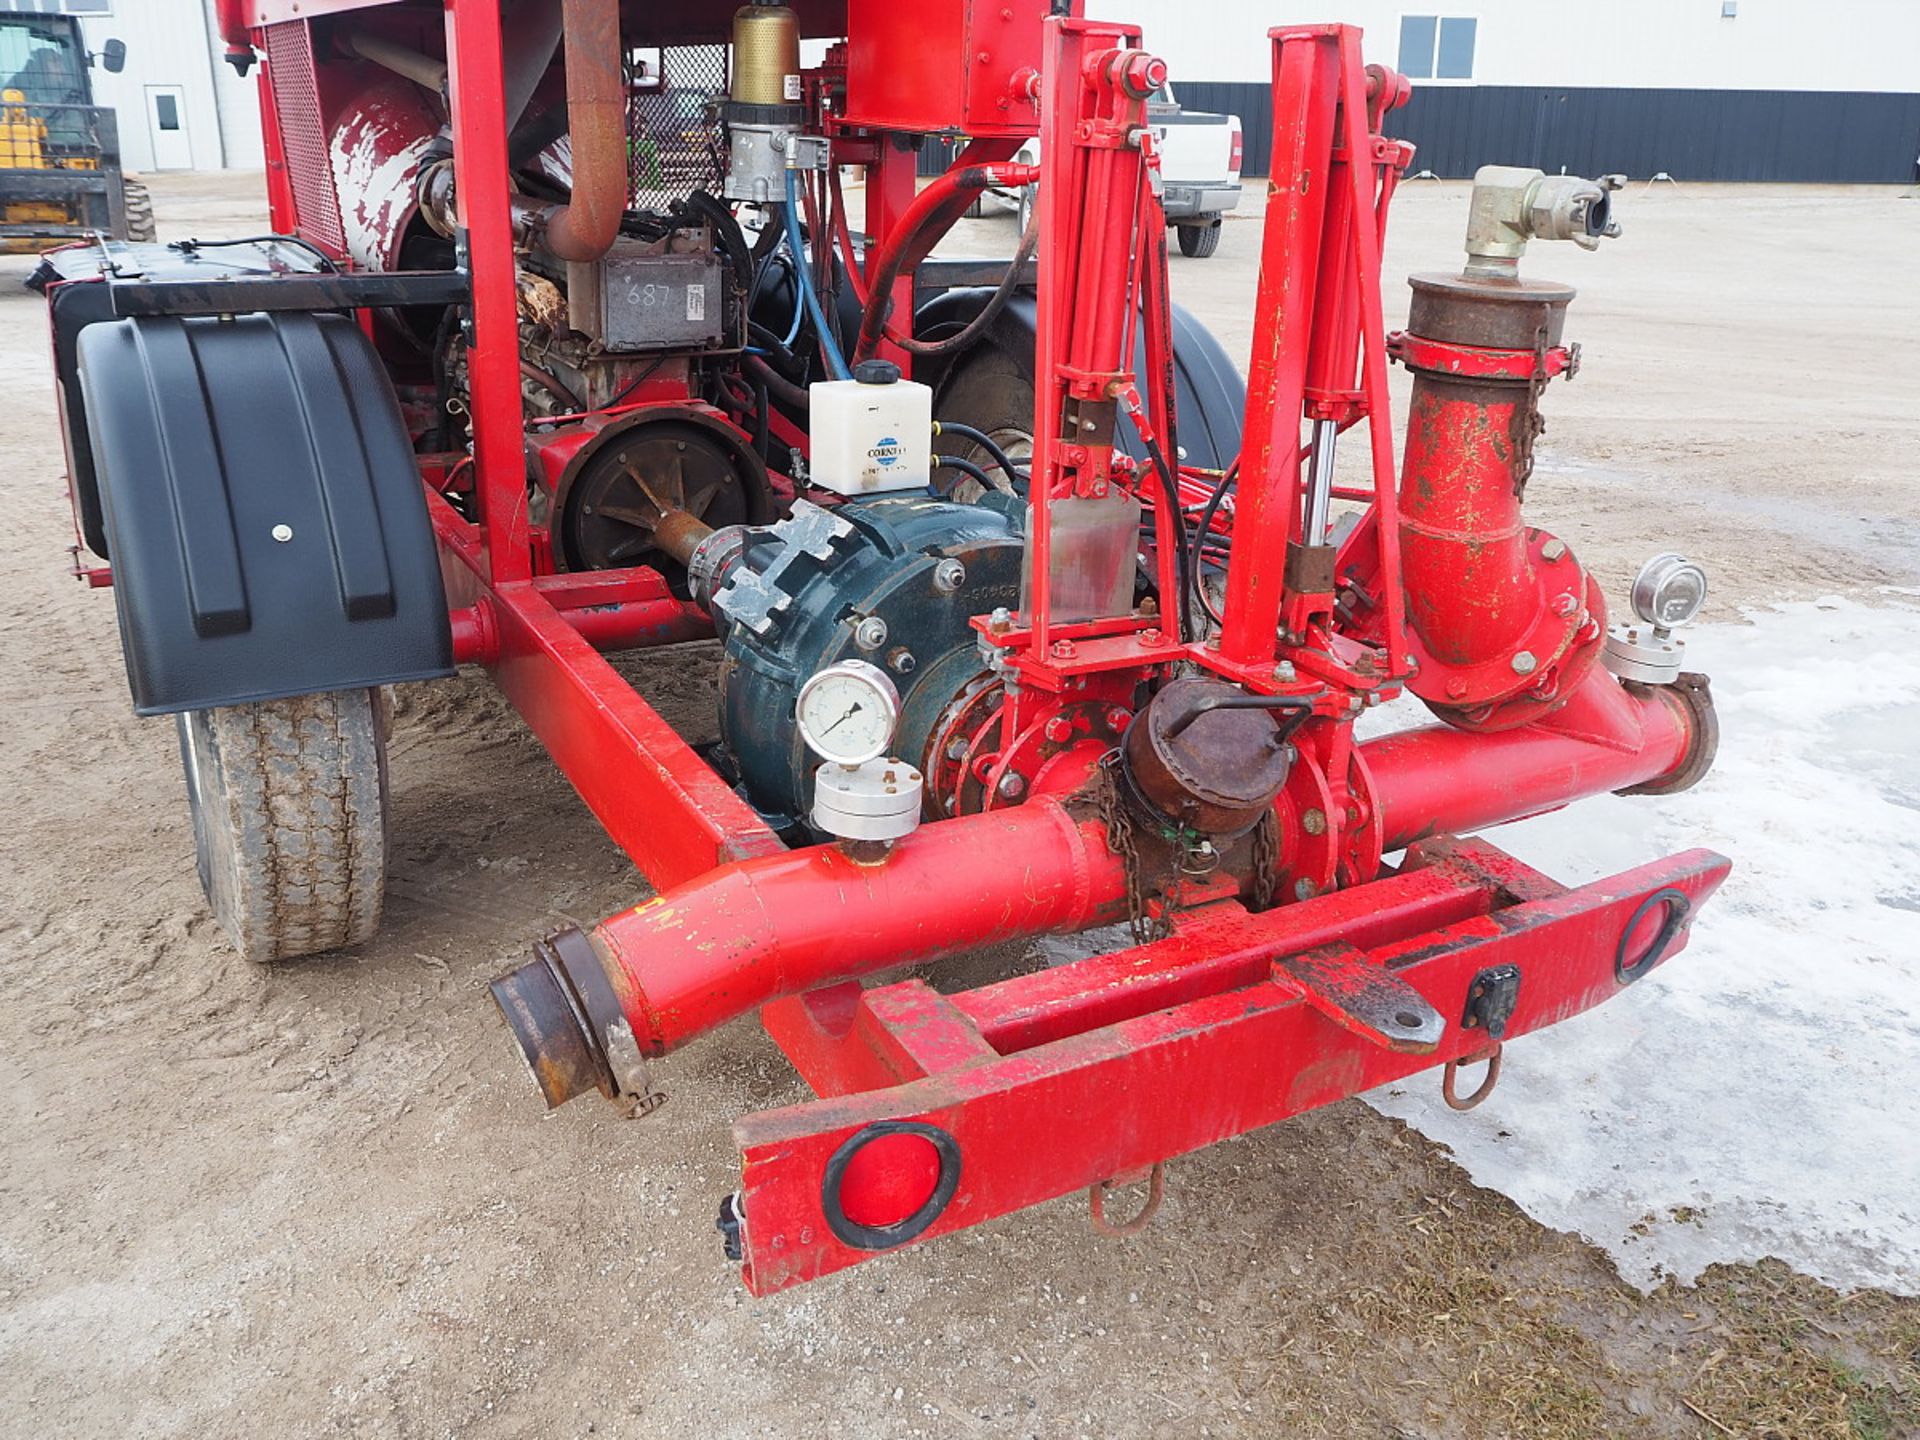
1512, 205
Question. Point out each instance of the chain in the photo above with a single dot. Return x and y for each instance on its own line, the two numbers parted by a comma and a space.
1535, 422
1266, 857
1122, 841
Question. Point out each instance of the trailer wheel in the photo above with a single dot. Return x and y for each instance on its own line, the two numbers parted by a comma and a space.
289, 803
139, 210
992, 392
1200, 241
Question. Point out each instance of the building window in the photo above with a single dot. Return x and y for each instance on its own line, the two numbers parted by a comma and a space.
1437, 47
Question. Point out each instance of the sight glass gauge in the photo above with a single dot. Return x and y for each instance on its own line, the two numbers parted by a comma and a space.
848, 712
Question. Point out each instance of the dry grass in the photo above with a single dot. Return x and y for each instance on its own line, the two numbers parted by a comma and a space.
1789, 1359
1450, 1314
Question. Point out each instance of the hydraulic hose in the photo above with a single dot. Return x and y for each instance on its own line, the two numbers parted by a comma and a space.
829, 346
986, 442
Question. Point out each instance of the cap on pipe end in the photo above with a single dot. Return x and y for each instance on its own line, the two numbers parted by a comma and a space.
551, 1029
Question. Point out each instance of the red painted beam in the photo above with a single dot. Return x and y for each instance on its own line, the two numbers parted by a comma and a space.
659, 801
1070, 1113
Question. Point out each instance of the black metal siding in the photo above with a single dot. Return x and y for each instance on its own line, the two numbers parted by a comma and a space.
1837, 137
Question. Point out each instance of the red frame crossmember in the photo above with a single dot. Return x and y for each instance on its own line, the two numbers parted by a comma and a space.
1056, 1081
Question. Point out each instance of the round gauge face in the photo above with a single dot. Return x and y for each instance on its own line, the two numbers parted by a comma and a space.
847, 712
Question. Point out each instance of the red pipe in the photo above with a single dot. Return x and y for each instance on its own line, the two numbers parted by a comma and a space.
585, 227
746, 933
619, 625
1438, 780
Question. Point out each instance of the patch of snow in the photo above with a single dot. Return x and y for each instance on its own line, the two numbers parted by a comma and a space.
1760, 1093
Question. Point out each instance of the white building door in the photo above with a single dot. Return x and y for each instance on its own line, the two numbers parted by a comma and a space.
167, 127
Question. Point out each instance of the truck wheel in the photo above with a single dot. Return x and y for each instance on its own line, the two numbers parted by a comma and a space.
991, 391
1200, 241
289, 803
139, 210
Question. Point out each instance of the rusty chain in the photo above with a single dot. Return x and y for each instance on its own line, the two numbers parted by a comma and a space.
1266, 858
1122, 840
1534, 422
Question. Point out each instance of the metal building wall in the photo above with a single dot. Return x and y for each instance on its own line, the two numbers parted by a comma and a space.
1838, 137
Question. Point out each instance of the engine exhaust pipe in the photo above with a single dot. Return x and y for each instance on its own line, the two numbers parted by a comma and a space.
583, 229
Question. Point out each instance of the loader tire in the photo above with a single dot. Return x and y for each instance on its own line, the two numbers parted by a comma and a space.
289, 804
139, 210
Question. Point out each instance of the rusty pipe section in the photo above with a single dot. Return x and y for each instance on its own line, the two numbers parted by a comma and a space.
584, 228
1505, 621
720, 946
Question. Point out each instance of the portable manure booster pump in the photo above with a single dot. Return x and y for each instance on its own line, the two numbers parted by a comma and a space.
1032, 616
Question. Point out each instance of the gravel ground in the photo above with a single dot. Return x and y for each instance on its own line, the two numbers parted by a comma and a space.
322, 1199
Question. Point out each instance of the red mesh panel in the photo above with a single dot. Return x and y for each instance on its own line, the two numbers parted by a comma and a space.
296, 95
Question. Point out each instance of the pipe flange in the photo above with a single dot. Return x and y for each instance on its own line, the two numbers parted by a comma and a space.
1526, 681
1644, 654
571, 1029
1692, 691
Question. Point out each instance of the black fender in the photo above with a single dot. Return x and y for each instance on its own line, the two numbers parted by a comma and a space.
1210, 397
263, 510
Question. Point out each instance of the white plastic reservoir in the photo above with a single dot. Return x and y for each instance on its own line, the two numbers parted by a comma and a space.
870, 434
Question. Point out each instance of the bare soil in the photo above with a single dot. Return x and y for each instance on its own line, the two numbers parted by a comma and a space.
323, 1199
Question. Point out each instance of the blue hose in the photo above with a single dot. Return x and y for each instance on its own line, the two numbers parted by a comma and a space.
829, 347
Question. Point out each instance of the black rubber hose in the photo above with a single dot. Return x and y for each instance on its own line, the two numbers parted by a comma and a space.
781, 388
1015, 475
1228, 478
733, 240
965, 467
1183, 567
187, 247
971, 333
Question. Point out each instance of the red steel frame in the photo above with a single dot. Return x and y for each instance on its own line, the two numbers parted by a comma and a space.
1238, 1019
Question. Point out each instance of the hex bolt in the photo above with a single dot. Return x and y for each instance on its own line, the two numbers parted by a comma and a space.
1059, 729
1000, 621
870, 633
1118, 717
956, 749
1314, 822
1284, 672
283, 533
1553, 550
1524, 663
1565, 605
1305, 889
949, 576
1011, 786
900, 660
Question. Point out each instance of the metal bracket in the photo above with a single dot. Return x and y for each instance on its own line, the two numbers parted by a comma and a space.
1491, 998
1366, 998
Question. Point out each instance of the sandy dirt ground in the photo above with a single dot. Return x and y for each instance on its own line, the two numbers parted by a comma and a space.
323, 1199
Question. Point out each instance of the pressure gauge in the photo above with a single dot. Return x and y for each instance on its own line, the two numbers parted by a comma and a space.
848, 712
1669, 591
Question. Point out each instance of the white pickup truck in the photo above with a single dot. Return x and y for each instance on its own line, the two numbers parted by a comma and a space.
1199, 165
